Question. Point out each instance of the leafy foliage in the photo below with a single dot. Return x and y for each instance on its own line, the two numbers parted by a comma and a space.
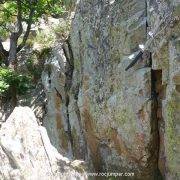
35, 63
9, 11
10, 78
3, 32
9, 8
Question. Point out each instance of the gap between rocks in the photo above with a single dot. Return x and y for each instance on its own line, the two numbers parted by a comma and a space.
158, 91
69, 68
157, 95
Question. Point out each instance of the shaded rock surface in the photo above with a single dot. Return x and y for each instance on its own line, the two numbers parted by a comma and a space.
26, 151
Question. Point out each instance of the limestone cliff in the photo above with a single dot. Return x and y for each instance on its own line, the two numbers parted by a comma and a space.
117, 120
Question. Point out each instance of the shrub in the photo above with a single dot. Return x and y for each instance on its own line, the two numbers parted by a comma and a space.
10, 78
62, 29
35, 63
46, 39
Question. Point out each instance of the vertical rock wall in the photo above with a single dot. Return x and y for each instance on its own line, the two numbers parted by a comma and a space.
117, 120
54, 79
115, 106
165, 58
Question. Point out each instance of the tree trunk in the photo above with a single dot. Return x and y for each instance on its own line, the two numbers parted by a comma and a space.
13, 50
13, 94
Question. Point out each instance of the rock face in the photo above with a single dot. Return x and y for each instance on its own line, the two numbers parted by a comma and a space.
54, 80
114, 105
117, 120
26, 152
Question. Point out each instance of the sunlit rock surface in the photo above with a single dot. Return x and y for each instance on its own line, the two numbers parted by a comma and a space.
26, 151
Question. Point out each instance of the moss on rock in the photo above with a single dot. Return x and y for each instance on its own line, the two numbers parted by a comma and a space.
171, 135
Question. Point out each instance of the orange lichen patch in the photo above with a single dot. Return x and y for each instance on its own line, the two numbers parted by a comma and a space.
58, 103
140, 137
118, 143
92, 140
64, 140
178, 88
159, 113
58, 121
121, 147
140, 141
62, 135
142, 115
176, 78
141, 92
86, 77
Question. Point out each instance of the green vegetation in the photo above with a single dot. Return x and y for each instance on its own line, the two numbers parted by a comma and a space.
9, 79
9, 10
13, 13
44, 39
3, 33
16, 20
68, 4
62, 29
33, 69
35, 62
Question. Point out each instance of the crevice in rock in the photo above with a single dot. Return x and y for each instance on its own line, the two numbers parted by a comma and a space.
156, 119
83, 150
49, 78
10, 157
155, 146
69, 68
178, 88
146, 14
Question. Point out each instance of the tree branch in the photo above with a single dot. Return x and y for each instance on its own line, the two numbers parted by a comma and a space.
25, 37
19, 18
15, 35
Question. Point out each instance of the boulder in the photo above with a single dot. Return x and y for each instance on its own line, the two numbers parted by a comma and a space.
26, 151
